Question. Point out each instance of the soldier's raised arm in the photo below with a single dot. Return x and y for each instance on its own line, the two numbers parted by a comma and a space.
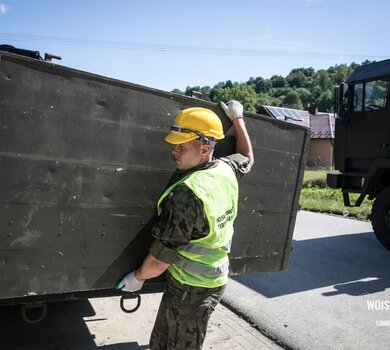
235, 111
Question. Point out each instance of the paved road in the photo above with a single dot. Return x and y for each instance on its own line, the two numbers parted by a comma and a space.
336, 271
100, 324
320, 302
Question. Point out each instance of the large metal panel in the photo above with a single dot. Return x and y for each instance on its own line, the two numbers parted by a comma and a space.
83, 162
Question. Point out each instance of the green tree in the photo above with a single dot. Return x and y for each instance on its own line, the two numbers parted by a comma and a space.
300, 77
316, 93
228, 84
189, 89
308, 72
277, 81
323, 80
204, 92
366, 62
325, 101
305, 97
292, 100
296, 79
301, 87
268, 100
260, 84
240, 92
338, 73
278, 92
177, 91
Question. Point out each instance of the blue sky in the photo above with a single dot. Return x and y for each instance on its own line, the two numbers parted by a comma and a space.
173, 44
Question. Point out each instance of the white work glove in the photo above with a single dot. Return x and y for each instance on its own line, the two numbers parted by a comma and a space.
233, 109
129, 283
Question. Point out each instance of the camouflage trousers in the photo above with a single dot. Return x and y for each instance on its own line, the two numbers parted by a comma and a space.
183, 316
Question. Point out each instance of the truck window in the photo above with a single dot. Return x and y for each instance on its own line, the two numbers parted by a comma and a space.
358, 98
376, 95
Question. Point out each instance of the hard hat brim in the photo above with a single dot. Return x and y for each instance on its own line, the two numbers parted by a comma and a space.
176, 138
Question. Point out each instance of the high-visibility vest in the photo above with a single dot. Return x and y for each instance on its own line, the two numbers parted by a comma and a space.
204, 262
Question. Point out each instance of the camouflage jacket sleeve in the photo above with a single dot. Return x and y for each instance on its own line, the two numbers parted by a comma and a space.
239, 164
181, 220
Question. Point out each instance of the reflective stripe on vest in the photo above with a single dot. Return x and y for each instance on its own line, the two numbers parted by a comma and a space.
196, 249
203, 269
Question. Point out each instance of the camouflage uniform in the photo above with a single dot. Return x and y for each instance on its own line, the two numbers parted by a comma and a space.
184, 311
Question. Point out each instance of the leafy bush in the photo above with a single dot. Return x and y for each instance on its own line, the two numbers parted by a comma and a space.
314, 178
317, 196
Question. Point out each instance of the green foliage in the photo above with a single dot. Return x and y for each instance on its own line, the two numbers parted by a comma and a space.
323, 80
305, 97
177, 91
317, 196
277, 81
301, 88
315, 178
297, 79
240, 92
293, 100
268, 100
326, 101
260, 84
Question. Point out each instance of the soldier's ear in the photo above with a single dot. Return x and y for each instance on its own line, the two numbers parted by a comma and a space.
206, 150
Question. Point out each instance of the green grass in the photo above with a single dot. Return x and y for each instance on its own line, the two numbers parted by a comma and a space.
316, 196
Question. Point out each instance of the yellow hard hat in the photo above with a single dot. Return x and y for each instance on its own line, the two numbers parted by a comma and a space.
196, 123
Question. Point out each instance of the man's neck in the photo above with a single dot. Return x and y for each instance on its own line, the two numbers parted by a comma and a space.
180, 173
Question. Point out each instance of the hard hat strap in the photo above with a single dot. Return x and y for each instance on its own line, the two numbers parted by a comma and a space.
202, 137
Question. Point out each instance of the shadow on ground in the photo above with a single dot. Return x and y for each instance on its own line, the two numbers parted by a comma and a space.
63, 328
353, 264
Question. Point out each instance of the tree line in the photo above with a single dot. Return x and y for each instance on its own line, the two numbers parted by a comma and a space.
302, 88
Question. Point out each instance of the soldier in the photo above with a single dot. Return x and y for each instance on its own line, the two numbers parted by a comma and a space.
194, 228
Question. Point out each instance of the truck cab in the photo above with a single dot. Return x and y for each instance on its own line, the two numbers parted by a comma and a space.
362, 143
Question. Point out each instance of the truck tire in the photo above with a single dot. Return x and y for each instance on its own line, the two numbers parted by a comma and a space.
380, 217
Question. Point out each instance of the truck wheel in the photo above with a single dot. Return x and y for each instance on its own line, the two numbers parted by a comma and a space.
380, 217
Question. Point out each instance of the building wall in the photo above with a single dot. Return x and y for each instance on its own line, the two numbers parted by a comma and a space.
320, 153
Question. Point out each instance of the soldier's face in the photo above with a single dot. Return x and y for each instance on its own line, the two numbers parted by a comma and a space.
190, 154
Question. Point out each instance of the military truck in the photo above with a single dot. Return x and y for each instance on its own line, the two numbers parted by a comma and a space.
362, 143
83, 161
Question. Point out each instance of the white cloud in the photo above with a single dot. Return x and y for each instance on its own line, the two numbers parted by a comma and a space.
3, 9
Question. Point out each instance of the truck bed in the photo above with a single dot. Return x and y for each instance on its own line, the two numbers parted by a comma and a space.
83, 162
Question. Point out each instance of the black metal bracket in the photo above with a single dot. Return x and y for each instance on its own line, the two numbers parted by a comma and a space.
347, 201
130, 296
43, 314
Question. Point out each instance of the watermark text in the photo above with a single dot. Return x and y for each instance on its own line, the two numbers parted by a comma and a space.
378, 305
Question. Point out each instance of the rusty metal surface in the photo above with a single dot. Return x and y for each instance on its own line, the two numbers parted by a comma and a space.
83, 161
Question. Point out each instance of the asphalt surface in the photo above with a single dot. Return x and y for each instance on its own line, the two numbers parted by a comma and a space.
100, 324
336, 272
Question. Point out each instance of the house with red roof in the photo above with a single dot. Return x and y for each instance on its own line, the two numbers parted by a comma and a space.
322, 132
